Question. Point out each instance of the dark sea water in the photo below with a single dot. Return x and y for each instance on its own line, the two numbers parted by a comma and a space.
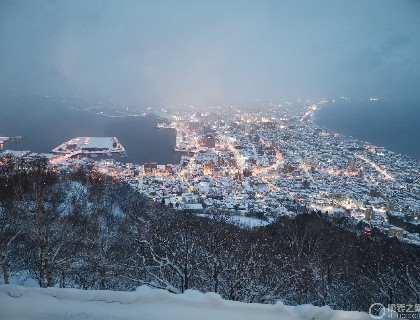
46, 123
389, 124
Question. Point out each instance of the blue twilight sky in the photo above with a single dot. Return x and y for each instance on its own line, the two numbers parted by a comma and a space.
210, 51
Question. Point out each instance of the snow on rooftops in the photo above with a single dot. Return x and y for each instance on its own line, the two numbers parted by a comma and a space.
90, 144
14, 153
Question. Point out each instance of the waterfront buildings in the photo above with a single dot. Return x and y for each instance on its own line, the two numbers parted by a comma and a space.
271, 163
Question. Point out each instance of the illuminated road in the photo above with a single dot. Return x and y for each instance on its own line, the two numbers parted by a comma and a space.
376, 167
190, 135
64, 157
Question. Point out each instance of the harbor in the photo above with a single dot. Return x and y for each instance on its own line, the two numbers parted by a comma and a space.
11, 139
92, 146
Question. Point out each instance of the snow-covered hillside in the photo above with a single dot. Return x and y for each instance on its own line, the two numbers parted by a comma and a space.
17, 302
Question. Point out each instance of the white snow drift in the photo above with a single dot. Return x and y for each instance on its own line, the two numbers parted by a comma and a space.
17, 302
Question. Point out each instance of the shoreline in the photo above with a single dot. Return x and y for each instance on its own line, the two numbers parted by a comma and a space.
316, 119
134, 130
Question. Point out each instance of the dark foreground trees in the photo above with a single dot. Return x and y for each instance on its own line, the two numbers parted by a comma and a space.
85, 231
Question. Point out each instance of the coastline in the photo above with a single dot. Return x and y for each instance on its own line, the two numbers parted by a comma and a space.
136, 132
335, 117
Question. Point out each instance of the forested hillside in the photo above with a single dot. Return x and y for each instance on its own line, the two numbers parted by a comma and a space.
83, 230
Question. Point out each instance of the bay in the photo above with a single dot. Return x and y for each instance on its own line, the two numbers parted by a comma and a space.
394, 125
46, 123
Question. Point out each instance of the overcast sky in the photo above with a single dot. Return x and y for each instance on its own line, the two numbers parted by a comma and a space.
205, 52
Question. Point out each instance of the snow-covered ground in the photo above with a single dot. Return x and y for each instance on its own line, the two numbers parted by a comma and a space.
110, 144
17, 302
250, 221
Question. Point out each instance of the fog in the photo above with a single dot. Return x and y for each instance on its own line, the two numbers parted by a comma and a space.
208, 52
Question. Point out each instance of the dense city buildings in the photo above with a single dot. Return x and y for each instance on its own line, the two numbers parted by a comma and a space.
258, 166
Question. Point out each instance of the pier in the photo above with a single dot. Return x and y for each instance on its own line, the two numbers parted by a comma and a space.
2, 140
12, 139
87, 146
16, 138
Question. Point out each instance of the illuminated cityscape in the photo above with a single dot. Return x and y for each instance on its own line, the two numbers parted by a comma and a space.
258, 166
254, 159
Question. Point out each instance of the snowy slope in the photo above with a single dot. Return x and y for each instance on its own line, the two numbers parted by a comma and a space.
17, 302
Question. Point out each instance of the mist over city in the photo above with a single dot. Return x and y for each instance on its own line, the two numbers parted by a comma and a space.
236, 159
210, 52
